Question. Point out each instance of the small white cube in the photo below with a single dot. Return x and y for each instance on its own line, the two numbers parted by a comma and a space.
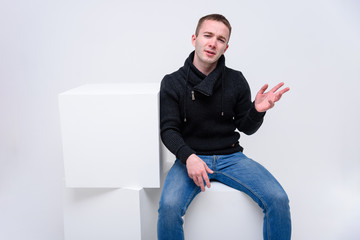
111, 214
222, 212
110, 135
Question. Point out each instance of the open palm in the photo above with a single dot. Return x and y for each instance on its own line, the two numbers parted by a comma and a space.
266, 100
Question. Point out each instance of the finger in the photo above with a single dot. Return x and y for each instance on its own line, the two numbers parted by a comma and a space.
274, 89
206, 179
201, 184
284, 90
263, 89
271, 103
195, 180
279, 94
208, 169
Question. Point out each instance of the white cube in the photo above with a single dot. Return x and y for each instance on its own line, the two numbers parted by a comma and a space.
222, 212
110, 135
111, 214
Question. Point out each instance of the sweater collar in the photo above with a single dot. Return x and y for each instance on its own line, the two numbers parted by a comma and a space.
201, 82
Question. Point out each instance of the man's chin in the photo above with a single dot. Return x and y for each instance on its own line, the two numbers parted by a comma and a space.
209, 59
212, 60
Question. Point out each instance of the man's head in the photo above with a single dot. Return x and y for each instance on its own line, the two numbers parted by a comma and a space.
214, 17
210, 41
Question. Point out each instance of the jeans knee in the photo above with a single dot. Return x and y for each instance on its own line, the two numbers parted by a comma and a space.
169, 207
170, 215
280, 200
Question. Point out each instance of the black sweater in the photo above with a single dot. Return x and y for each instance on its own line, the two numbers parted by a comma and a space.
199, 114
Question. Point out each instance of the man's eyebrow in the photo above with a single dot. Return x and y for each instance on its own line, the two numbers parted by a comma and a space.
220, 36
211, 33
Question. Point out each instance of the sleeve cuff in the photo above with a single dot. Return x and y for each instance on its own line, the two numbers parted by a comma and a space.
255, 115
184, 153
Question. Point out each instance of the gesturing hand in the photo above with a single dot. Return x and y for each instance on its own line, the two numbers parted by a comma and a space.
265, 101
197, 171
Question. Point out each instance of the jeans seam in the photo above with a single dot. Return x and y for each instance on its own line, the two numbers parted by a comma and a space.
214, 161
188, 201
264, 204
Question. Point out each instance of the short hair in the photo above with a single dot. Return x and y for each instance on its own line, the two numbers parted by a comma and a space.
215, 17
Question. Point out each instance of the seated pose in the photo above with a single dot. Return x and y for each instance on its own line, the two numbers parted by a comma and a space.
201, 106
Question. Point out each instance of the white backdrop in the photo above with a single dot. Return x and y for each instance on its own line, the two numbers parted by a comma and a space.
308, 141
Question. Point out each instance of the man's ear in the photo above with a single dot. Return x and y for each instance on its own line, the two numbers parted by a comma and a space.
193, 38
227, 46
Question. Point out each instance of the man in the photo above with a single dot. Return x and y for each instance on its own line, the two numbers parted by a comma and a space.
201, 105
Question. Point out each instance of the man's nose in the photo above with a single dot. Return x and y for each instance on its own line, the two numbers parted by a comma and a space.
212, 43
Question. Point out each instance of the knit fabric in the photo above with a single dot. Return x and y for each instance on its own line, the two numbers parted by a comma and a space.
200, 114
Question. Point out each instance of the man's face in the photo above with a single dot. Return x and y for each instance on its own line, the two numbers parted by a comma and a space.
211, 43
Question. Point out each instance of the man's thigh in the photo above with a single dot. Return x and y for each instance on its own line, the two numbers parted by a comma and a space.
179, 189
247, 175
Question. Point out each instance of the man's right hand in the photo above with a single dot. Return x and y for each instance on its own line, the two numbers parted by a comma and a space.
198, 171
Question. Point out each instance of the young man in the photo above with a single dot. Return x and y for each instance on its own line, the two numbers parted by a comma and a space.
201, 105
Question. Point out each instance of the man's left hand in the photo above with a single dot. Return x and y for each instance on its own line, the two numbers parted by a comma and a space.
266, 100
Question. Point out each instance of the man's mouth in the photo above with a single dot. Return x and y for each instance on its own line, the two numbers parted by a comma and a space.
210, 53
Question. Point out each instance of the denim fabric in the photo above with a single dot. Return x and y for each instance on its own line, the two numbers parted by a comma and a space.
236, 171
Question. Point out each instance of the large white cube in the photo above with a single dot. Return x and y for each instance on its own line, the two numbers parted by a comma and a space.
222, 212
110, 135
111, 214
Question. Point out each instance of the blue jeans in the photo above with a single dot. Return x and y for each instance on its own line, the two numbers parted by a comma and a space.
236, 171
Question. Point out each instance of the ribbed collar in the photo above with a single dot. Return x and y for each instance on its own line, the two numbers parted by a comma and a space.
201, 82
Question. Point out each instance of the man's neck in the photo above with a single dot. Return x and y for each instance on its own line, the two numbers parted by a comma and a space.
206, 69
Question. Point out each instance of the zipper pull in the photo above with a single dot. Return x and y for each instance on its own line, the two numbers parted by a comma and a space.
192, 95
